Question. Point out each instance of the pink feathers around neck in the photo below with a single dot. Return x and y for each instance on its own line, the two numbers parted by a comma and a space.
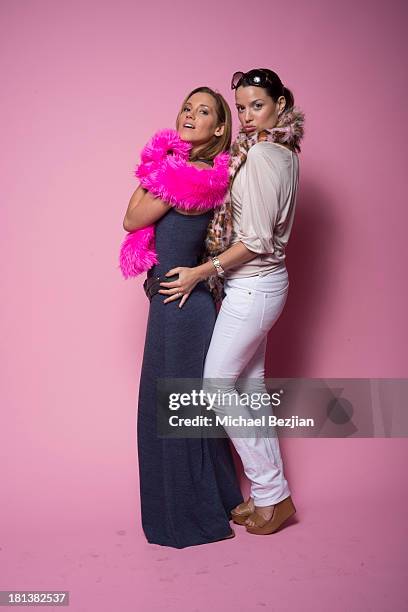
165, 172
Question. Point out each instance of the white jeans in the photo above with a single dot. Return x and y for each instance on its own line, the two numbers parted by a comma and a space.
237, 351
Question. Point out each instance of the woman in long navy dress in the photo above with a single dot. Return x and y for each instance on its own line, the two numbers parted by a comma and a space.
188, 486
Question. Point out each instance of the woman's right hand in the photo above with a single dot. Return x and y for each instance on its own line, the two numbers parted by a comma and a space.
182, 287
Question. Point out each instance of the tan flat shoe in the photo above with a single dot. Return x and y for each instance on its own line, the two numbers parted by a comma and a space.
281, 512
240, 517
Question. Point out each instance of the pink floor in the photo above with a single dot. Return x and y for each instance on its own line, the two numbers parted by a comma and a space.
344, 552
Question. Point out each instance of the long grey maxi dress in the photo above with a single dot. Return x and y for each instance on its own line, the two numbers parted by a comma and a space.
188, 486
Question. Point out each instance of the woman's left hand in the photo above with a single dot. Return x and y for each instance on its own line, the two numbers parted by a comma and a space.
183, 286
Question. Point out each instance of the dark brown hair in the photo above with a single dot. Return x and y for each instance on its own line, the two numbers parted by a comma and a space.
274, 88
217, 144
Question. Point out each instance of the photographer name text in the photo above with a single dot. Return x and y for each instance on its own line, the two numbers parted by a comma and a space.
240, 421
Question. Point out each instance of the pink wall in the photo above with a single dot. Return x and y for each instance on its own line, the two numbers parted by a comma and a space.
85, 84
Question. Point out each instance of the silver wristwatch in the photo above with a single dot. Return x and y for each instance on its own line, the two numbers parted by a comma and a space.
218, 266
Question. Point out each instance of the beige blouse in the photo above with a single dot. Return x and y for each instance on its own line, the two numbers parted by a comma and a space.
263, 197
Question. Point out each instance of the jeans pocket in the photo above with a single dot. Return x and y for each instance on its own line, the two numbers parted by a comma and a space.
238, 301
273, 304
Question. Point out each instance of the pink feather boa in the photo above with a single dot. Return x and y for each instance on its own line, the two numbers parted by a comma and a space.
165, 172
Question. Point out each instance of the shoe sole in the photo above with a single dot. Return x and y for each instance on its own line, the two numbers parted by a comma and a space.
284, 510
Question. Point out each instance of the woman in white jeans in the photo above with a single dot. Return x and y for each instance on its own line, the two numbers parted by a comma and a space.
262, 200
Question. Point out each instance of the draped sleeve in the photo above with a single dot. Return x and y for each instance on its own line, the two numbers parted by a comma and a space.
260, 199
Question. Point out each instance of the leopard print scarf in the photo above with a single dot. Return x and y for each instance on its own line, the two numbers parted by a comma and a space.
288, 131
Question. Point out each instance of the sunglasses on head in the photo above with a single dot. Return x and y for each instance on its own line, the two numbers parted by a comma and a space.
254, 77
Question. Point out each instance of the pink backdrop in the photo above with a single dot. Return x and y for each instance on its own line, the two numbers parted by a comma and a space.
85, 84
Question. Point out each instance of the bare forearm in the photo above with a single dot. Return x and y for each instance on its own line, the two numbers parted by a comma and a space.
236, 255
129, 221
144, 209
